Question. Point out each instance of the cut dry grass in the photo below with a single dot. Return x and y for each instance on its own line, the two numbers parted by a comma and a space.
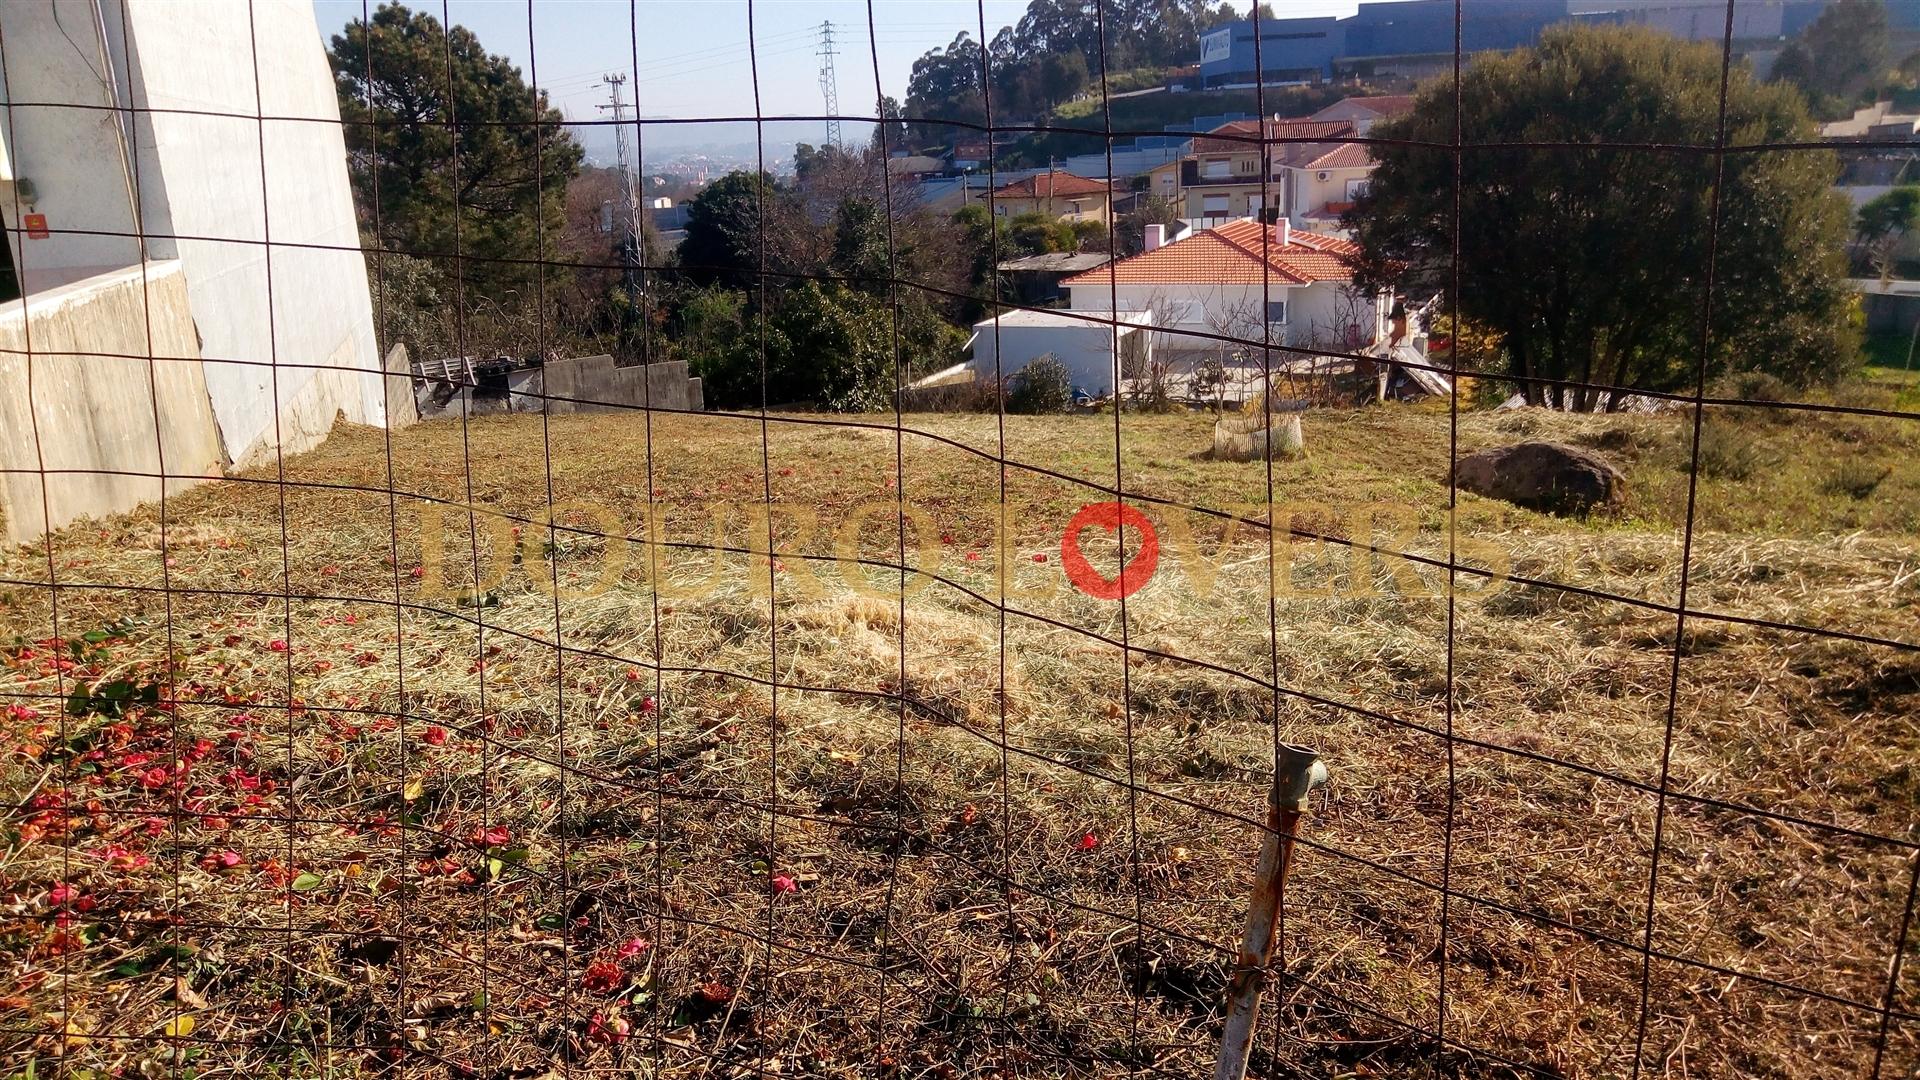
479, 834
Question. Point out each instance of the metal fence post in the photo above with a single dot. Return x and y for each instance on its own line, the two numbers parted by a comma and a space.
1299, 771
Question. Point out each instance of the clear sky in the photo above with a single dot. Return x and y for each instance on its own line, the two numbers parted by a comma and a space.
693, 54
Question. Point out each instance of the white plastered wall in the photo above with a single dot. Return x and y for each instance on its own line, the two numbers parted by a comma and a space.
311, 347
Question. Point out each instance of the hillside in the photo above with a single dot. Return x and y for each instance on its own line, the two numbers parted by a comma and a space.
1151, 113
752, 816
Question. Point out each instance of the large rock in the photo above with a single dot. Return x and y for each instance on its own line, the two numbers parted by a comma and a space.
1546, 476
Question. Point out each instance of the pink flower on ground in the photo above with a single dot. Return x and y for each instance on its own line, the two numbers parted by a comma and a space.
611, 1030
119, 858
492, 835
632, 948
68, 895
1088, 841
277, 645
435, 735
784, 883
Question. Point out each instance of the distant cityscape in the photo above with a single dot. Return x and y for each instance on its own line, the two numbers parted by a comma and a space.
696, 153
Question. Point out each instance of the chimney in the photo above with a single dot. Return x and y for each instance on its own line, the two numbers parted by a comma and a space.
1156, 235
1283, 232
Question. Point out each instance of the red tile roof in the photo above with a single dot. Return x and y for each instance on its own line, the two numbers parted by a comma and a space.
1050, 184
1243, 134
1344, 156
1230, 254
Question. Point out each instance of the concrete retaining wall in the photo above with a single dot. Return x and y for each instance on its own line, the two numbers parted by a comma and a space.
95, 414
402, 410
593, 384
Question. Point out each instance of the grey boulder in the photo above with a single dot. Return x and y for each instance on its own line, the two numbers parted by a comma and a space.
1546, 476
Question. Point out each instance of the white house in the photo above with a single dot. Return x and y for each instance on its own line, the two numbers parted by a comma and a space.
1241, 280
152, 215
1099, 348
1322, 188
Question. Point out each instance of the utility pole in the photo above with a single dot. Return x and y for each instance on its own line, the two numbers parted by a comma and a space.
627, 221
829, 88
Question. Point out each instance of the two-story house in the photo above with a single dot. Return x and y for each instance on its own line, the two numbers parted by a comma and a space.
1316, 173
1056, 194
1237, 169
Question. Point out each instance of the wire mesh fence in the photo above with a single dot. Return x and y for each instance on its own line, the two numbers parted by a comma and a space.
852, 729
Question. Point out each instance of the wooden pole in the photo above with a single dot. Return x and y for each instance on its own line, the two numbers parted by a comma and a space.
1299, 771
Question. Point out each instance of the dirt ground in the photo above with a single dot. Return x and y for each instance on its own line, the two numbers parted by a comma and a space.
374, 769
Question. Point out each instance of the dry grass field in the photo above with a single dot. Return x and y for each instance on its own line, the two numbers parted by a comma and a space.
292, 794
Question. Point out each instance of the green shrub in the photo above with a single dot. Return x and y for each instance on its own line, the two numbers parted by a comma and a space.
826, 347
1863, 395
1854, 478
1726, 452
1041, 387
1752, 386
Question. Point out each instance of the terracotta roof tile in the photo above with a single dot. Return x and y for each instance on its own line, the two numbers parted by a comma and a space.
1241, 134
1230, 254
1050, 184
1345, 156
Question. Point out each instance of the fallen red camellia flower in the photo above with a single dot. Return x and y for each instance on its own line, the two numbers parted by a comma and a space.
603, 977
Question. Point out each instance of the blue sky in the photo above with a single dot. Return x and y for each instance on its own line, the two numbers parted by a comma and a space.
693, 54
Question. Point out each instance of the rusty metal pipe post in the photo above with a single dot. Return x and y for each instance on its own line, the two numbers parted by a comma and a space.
1300, 771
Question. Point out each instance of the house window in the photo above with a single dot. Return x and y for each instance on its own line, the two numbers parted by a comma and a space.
1276, 311
1213, 206
1216, 168
1356, 188
1245, 166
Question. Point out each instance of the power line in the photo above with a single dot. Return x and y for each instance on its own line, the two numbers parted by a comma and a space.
829, 85
629, 204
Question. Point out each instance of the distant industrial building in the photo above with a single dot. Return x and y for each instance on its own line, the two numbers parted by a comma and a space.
1415, 38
